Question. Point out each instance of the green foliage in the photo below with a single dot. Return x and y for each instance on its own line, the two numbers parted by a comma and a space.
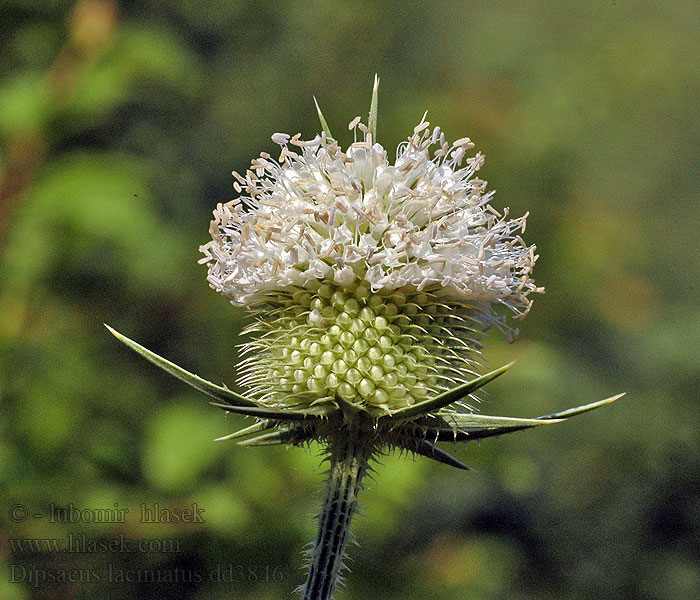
119, 126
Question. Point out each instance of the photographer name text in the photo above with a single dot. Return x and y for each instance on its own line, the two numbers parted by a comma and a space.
147, 513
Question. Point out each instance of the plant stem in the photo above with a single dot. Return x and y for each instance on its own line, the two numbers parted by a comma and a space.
349, 455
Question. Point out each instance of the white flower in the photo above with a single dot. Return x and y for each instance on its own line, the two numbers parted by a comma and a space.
319, 213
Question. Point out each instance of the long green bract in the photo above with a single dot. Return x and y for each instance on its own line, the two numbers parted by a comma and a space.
202, 385
448, 397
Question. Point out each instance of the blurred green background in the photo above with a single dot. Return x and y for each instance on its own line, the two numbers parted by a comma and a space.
120, 123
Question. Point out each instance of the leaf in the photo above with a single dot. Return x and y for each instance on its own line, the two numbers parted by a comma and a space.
202, 385
447, 397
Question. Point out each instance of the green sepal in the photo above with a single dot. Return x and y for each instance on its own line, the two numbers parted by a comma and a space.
450, 433
322, 119
475, 421
267, 439
430, 450
261, 425
269, 413
448, 397
579, 410
372, 122
202, 385
293, 435
557, 417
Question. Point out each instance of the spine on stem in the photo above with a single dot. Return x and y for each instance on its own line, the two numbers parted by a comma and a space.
349, 457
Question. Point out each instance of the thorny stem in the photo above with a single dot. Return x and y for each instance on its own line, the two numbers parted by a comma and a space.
349, 455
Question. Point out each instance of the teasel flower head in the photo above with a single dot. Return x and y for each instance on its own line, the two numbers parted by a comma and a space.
369, 278
370, 282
